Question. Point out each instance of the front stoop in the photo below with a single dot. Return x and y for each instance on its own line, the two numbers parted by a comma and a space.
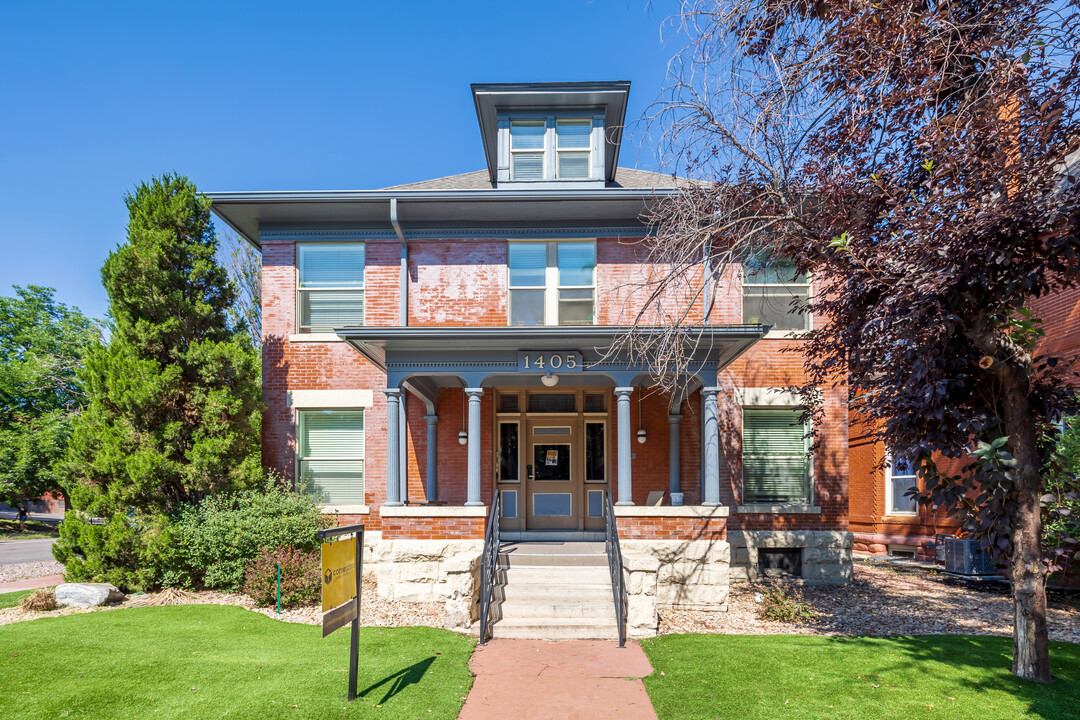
553, 591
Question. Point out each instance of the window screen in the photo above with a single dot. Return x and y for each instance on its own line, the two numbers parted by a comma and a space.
776, 468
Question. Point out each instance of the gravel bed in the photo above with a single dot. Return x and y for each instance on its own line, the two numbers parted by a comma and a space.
21, 571
885, 599
373, 611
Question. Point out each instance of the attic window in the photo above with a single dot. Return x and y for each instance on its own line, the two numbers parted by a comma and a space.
546, 150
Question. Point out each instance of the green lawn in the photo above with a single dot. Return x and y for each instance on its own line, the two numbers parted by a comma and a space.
11, 599
9, 530
206, 661
908, 678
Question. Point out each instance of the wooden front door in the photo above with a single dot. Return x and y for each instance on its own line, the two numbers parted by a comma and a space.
553, 473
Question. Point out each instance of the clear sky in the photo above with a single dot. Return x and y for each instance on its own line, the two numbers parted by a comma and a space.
96, 97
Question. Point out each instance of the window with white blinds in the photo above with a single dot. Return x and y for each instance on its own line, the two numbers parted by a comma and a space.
330, 455
533, 141
776, 466
772, 292
552, 283
330, 286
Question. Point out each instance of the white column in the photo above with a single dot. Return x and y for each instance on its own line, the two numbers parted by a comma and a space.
393, 436
626, 489
432, 455
472, 488
710, 447
403, 448
674, 481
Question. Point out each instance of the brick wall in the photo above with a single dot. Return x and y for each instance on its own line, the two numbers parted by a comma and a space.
672, 528
426, 528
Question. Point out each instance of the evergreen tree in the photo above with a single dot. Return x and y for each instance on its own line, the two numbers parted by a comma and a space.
174, 408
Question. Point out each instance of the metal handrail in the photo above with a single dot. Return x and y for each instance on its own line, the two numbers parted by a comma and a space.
615, 565
489, 564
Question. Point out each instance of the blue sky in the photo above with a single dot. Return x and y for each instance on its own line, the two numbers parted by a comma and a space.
97, 97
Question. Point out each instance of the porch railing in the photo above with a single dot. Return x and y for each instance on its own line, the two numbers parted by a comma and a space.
489, 564
615, 565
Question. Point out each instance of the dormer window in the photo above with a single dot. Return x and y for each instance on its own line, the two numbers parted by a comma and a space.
551, 149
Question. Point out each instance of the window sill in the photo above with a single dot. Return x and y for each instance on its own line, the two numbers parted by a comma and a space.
315, 337
785, 335
901, 516
779, 509
345, 510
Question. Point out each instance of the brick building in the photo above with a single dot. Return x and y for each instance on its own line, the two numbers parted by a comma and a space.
428, 346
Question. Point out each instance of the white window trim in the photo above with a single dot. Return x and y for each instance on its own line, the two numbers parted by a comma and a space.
779, 334
889, 511
551, 286
774, 399
362, 288
551, 150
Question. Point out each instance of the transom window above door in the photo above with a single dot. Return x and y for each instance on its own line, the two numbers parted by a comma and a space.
553, 283
550, 149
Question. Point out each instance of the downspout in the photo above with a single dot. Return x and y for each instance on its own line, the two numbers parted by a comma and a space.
403, 311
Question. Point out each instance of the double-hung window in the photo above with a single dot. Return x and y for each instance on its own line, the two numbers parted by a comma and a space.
776, 464
330, 286
330, 456
900, 478
552, 283
772, 293
545, 149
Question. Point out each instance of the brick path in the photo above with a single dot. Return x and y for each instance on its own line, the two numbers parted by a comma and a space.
570, 680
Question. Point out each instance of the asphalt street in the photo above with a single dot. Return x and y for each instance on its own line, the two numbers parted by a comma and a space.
25, 551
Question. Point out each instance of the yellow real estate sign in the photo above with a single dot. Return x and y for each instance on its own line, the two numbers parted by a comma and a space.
338, 573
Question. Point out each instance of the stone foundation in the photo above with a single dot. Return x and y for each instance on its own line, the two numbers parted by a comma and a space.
826, 554
446, 571
661, 574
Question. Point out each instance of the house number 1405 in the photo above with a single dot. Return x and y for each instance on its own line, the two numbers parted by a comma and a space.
549, 361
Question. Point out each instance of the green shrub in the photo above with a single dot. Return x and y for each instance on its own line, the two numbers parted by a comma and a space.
215, 541
782, 605
300, 574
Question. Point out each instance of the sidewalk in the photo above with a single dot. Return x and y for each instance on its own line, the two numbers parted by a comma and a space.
31, 583
571, 680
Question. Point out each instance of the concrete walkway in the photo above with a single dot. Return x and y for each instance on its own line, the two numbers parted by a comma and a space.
569, 680
31, 583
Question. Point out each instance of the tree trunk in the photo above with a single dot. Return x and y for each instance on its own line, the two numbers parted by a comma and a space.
1031, 652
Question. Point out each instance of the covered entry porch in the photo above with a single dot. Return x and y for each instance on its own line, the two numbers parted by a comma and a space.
549, 417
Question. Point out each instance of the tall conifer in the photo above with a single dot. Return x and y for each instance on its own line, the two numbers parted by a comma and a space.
174, 407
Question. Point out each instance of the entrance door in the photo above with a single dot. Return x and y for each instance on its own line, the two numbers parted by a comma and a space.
553, 481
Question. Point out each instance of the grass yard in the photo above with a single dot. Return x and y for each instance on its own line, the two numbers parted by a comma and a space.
908, 678
208, 661
11, 599
35, 530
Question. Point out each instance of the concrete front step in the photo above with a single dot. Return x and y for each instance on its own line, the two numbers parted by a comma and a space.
591, 593
551, 560
555, 629
553, 575
543, 609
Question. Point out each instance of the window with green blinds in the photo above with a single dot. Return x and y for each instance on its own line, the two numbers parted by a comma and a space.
776, 467
330, 290
331, 455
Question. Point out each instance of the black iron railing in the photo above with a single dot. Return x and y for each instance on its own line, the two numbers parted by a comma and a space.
489, 565
615, 565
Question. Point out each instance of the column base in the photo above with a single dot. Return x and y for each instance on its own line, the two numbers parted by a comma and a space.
474, 503
624, 503
393, 504
711, 504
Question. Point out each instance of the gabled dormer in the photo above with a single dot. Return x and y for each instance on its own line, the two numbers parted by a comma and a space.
544, 135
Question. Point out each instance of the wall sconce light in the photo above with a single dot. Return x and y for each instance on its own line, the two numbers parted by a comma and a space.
640, 430
550, 380
462, 436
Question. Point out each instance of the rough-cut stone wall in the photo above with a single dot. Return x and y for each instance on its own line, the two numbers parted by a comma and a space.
446, 571
826, 554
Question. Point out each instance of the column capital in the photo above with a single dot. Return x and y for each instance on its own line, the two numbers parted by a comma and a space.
674, 418
394, 393
474, 392
711, 390
624, 391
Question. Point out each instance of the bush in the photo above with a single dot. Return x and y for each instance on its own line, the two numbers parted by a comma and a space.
214, 542
782, 605
300, 575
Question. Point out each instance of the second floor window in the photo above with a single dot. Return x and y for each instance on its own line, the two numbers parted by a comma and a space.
552, 283
568, 142
330, 286
770, 288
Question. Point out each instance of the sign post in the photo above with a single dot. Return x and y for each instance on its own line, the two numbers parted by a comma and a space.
342, 570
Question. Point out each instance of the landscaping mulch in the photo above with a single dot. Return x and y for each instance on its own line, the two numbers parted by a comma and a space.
374, 612
885, 599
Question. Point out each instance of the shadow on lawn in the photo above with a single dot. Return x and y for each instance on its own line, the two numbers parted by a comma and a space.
401, 679
988, 658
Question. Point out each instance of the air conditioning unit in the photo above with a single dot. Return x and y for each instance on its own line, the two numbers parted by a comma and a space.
965, 556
